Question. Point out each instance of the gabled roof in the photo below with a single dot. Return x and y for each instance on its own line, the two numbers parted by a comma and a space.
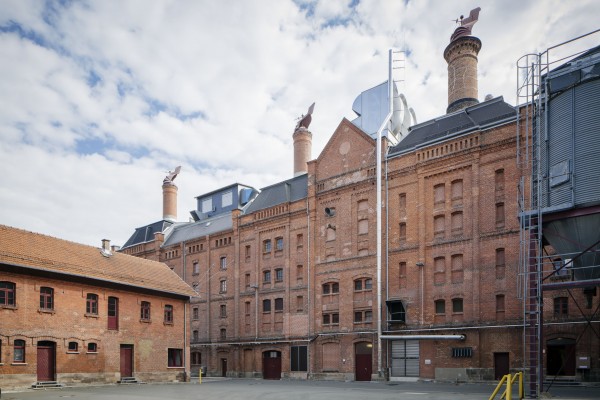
146, 233
28, 251
283, 192
193, 230
481, 116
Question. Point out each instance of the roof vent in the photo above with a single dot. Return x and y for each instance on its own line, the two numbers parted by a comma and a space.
488, 97
105, 250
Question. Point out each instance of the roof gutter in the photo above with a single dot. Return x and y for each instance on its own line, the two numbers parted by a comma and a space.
424, 337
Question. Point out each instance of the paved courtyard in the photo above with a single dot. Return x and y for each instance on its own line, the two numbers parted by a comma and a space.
248, 389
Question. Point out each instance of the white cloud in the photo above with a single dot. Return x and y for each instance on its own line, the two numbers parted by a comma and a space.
101, 98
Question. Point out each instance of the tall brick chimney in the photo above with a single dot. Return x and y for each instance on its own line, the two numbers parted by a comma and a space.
461, 56
303, 142
169, 201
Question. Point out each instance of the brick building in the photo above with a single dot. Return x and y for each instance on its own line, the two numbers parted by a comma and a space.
289, 280
74, 314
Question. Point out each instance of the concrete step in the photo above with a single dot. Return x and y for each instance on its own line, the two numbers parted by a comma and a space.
47, 385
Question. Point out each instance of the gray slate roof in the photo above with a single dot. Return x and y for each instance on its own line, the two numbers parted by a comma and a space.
146, 233
481, 116
283, 192
182, 232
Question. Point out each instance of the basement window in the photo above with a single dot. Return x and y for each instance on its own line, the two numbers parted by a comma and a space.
462, 352
73, 347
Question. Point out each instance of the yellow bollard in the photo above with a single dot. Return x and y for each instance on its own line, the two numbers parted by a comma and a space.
200, 376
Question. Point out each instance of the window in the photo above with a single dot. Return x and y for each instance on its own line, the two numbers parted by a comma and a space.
440, 307
195, 314
457, 306
299, 241
279, 244
299, 303
227, 199
19, 351
439, 225
113, 313
331, 319
499, 215
457, 272
266, 276
402, 232
223, 334
279, 275
46, 298
92, 348
223, 311
266, 306
500, 266
561, 307
330, 233
499, 303
247, 308
223, 286
168, 314
439, 195
499, 180
7, 294
402, 201
363, 226
223, 262
247, 253
457, 190
439, 270
462, 352
207, 205
247, 280
396, 310
267, 246
91, 304
175, 358
363, 316
196, 268
299, 274
195, 335
456, 222
363, 205
331, 288
402, 274
299, 358
279, 304
73, 347
196, 358
363, 284
145, 311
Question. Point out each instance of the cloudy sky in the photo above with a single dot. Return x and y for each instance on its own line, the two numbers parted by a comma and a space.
99, 99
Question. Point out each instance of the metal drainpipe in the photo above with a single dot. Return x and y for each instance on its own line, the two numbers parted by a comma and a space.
187, 373
308, 285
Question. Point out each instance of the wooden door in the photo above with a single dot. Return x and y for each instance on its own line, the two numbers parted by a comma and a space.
501, 365
363, 361
126, 361
223, 367
45, 361
272, 365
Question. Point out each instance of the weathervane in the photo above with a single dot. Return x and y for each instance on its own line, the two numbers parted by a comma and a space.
466, 24
172, 175
304, 120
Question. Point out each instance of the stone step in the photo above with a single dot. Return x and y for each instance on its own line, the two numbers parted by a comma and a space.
47, 385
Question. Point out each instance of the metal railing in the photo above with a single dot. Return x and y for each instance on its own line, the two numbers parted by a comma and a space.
509, 379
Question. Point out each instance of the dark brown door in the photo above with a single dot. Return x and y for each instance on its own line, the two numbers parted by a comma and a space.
45, 361
223, 367
126, 361
272, 365
501, 365
363, 356
113, 313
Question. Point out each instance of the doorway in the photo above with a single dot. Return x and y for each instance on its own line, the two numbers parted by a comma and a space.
223, 367
46, 361
560, 357
363, 365
272, 365
501, 365
126, 361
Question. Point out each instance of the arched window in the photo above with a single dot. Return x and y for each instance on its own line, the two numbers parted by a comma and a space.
7, 294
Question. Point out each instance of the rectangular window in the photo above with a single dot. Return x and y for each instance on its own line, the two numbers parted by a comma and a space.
19, 351
223, 311
266, 276
223, 262
175, 358
227, 199
113, 313
223, 286
462, 352
196, 268
499, 180
278, 304
91, 304
331, 319
247, 280
457, 223
7, 294
267, 246
439, 196
279, 275
195, 335
402, 232
92, 348
499, 215
145, 311
46, 298
223, 334
439, 226
499, 303
266, 306
299, 303
500, 264
207, 205
299, 358
247, 253
195, 314
278, 244
299, 274
247, 308
457, 190
561, 307
402, 201
168, 314
402, 274
73, 347
457, 306
440, 307
363, 226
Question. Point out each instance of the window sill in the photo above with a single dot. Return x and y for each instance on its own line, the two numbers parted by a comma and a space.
168, 323
72, 352
87, 315
17, 364
46, 311
146, 321
9, 307
92, 352
175, 367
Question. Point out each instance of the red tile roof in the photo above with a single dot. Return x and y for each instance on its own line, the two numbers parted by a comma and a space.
45, 253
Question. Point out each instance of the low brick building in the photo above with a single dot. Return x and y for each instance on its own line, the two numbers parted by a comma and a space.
72, 313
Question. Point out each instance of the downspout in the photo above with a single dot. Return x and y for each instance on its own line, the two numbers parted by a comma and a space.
308, 275
378, 208
186, 372
387, 247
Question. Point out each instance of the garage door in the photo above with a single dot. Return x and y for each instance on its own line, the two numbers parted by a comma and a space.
405, 358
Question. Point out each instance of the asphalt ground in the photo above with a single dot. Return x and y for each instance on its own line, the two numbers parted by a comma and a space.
253, 389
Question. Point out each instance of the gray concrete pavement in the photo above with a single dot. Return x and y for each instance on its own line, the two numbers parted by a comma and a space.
250, 389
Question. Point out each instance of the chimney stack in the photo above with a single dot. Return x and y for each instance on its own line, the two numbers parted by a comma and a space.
461, 56
170, 195
106, 249
303, 143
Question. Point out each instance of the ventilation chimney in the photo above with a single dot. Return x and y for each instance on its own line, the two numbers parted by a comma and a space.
303, 143
106, 250
461, 56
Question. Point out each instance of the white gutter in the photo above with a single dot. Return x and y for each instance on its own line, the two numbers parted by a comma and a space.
424, 337
378, 208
